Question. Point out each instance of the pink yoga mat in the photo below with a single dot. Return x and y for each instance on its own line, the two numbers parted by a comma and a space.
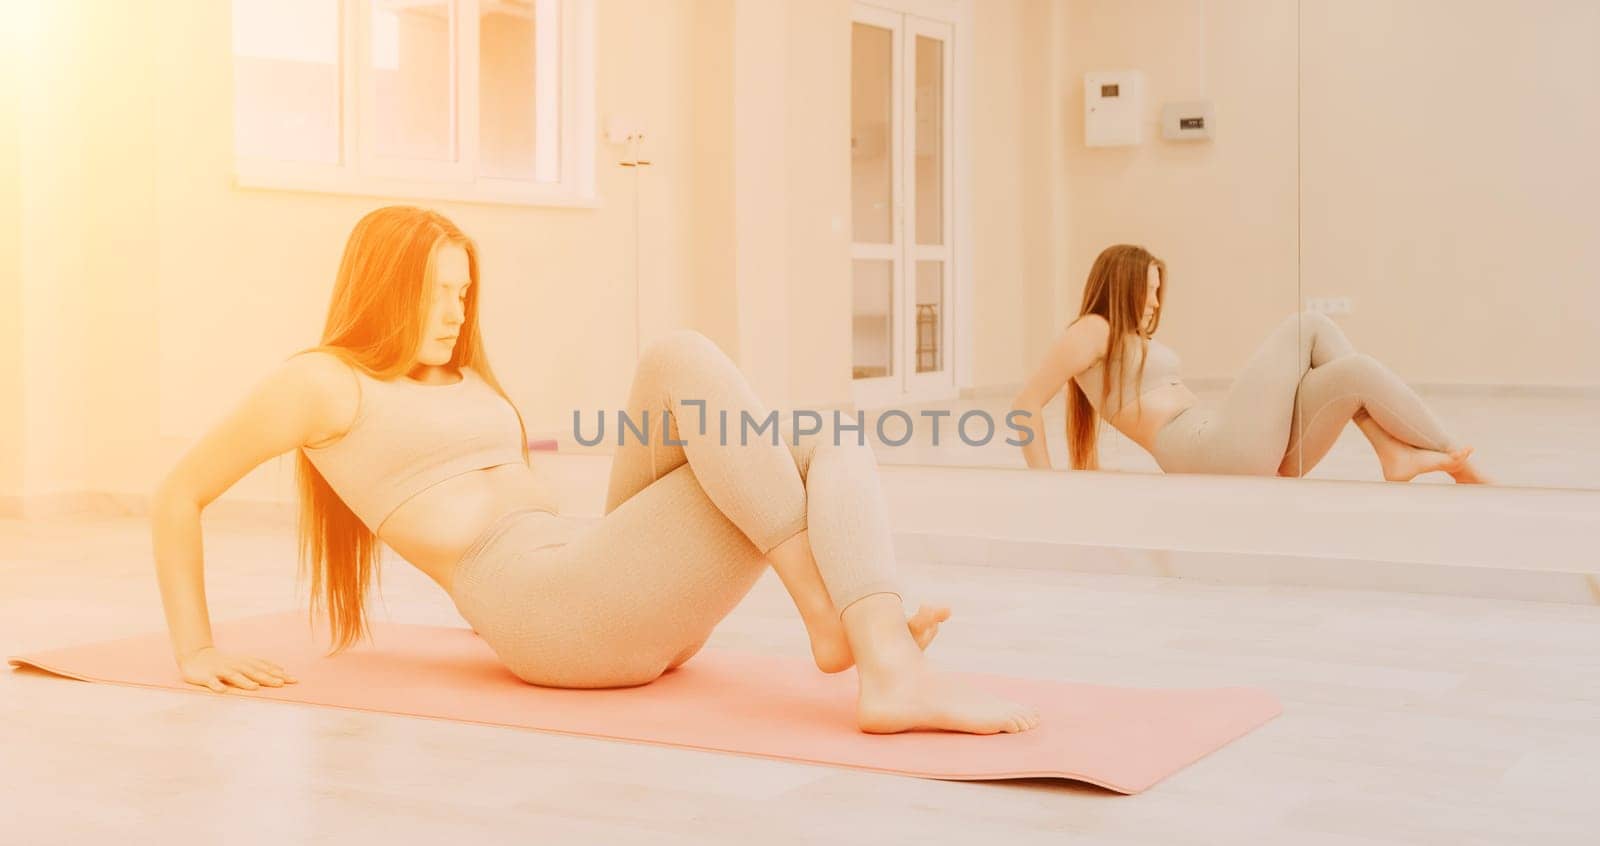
1124, 739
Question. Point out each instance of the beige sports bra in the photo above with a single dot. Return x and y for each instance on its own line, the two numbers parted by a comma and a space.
1160, 370
408, 436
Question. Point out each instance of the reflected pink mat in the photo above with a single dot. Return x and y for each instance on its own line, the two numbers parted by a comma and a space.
1125, 739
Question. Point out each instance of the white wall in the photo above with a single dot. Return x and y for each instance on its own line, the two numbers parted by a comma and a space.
11, 415
87, 261
1018, 193
1451, 169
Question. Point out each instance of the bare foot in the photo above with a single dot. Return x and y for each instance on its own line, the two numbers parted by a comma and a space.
1465, 474
832, 652
924, 624
915, 696
1403, 465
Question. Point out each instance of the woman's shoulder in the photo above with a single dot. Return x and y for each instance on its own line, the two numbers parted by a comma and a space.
335, 387
1092, 328
322, 369
1090, 322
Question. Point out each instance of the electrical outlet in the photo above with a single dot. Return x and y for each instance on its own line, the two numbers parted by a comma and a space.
1331, 306
621, 129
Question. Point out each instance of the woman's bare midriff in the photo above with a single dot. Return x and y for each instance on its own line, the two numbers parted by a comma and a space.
1142, 420
434, 528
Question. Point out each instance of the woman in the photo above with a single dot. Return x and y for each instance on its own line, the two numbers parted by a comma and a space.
1281, 416
406, 437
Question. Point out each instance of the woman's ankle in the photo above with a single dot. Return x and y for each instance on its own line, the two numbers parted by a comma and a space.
875, 627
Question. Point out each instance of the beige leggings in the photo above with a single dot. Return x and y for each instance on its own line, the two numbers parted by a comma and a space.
1289, 405
684, 536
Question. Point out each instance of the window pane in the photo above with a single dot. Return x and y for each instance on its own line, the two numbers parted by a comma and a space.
414, 80
930, 316
506, 93
930, 140
871, 133
286, 80
872, 325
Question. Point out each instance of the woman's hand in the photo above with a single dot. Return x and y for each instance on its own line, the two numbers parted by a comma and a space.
217, 670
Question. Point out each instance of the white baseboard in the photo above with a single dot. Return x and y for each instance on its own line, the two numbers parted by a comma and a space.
1205, 384
73, 504
94, 504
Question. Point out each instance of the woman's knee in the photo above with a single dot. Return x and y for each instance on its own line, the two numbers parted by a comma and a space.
1310, 321
688, 360
1357, 365
802, 450
852, 458
814, 445
680, 345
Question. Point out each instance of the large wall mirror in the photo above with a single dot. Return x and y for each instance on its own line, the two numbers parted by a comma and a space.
1374, 229
1448, 179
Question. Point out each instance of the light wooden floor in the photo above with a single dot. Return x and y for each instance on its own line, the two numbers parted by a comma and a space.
1408, 719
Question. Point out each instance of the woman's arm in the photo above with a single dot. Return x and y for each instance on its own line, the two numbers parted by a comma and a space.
285, 410
1075, 350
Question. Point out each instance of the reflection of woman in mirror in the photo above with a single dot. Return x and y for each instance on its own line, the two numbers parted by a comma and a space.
405, 437
1258, 428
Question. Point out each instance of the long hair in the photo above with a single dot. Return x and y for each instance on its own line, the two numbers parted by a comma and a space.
375, 323
1117, 289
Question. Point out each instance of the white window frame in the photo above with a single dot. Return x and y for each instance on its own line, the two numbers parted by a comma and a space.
564, 106
878, 392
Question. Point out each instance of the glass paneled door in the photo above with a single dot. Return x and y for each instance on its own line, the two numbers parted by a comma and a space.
902, 326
